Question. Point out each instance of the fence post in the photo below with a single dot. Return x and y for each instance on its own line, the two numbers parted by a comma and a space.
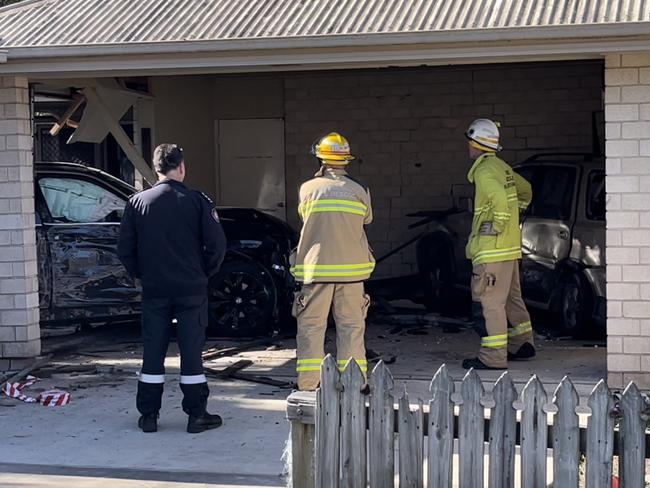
410, 444
302, 454
632, 438
328, 416
471, 431
600, 437
353, 428
301, 406
382, 428
534, 435
441, 430
566, 436
503, 432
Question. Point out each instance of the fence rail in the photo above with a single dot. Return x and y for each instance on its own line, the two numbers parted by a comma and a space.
343, 438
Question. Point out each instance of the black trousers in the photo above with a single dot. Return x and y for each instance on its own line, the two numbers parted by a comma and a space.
191, 314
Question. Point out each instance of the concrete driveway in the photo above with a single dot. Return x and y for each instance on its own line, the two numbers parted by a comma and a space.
94, 440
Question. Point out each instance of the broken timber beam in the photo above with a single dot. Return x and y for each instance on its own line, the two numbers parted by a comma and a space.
65, 118
121, 137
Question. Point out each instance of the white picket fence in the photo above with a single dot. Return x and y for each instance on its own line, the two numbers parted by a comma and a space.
344, 438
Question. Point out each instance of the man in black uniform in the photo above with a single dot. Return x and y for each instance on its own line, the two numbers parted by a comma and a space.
172, 241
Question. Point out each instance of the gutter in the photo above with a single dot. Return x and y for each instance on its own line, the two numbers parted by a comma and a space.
3, 56
461, 36
318, 59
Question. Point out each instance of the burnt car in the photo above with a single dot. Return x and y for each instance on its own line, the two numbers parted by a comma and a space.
563, 243
81, 280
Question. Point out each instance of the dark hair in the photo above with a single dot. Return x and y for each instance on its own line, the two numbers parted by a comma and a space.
167, 157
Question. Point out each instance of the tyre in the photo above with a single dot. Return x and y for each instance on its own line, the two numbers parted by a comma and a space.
242, 300
576, 307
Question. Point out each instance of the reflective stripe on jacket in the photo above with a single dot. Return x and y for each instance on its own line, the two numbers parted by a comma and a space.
500, 195
333, 246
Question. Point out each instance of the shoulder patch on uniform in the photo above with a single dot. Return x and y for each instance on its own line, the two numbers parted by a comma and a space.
215, 215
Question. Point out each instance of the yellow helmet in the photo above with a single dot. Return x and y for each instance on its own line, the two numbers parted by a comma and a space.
334, 149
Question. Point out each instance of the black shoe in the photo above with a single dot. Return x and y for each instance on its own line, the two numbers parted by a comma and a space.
527, 351
148, 422
476, 363
201, 423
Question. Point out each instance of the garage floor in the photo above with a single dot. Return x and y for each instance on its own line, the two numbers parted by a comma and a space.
97, 429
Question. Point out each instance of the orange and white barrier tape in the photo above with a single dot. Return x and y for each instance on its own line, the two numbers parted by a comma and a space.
50, 398
14, 390
54, 398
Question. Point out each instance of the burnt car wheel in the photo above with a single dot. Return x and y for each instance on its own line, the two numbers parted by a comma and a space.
576, 307
242, 300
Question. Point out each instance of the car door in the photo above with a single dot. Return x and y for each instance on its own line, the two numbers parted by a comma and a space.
547, 226
81, 230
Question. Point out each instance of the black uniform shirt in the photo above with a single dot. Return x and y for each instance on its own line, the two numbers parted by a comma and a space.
171, 239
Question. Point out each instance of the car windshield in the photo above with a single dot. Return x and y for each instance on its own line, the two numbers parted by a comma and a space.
72, 200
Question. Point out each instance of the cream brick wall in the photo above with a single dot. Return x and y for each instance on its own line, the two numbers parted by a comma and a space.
19, 320
407, 128
627, 115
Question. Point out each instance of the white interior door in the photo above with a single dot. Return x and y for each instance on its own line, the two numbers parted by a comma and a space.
251, 164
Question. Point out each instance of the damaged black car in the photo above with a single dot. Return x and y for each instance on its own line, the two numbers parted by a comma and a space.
81, 280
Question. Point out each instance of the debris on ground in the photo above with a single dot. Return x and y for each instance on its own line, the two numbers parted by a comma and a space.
72, 369
216, 352
229, 370
26, 371
428, 319
233, 372
374, 357
265, 380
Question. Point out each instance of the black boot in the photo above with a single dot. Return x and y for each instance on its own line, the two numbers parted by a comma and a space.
203, 422
476, 363
527, 351
148, 422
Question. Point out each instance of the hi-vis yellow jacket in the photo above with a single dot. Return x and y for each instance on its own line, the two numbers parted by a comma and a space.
501, 194
333, 247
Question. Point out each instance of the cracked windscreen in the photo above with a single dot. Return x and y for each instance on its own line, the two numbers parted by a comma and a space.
72, 200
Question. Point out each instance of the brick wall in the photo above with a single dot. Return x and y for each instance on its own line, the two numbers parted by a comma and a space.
407, 127
627, 115
19, 328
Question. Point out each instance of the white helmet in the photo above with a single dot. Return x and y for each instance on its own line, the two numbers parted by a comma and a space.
483, 134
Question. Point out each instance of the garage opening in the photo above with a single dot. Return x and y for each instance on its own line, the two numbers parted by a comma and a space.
247, 140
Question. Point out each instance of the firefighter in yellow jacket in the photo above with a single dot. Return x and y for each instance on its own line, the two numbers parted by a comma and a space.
494, 248
332, 261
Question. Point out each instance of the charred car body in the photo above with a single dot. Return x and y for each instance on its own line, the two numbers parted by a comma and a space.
81, 280
563, 243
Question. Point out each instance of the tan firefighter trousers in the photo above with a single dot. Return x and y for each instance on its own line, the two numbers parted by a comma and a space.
311, 308
499, 312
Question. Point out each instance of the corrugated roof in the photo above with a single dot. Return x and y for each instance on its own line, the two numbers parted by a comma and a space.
45, 23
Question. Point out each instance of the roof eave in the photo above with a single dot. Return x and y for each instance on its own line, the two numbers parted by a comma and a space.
532, 34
